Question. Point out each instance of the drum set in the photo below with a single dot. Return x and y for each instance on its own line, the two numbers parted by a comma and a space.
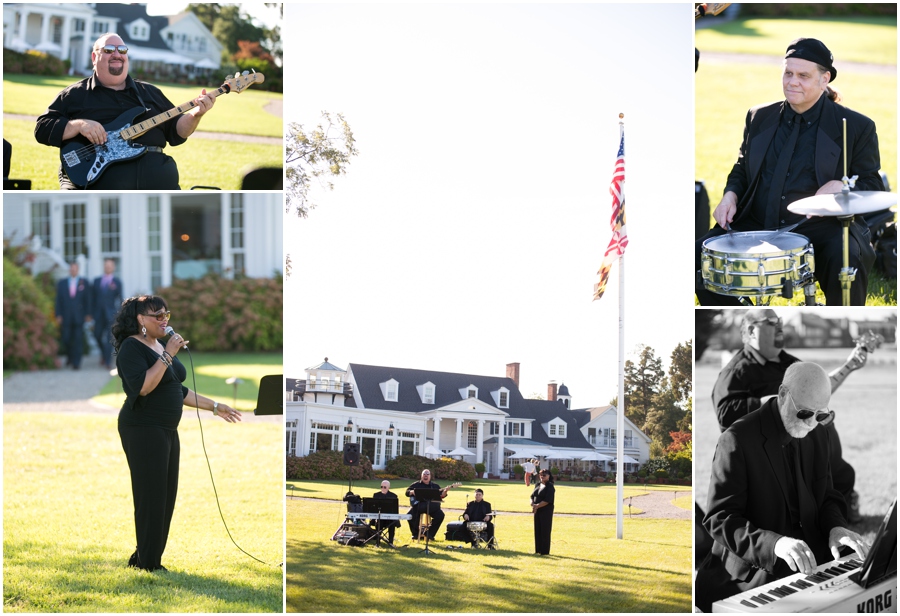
763, 264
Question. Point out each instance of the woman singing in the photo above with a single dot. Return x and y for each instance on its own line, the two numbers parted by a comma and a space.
542, 508
148, 422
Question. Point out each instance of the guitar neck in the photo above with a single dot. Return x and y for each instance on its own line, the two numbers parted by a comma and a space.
139, 129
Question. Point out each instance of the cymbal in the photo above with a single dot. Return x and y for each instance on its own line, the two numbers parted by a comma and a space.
844, 204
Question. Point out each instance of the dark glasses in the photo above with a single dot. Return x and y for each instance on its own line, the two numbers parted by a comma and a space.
773, 321
161, 316
805, 414
122, 49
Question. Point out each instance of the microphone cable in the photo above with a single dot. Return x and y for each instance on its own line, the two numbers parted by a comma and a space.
209, 466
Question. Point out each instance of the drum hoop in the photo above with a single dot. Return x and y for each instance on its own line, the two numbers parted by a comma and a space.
708, 245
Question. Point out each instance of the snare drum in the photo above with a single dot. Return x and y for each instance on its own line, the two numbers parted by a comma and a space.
756, 263
476, 527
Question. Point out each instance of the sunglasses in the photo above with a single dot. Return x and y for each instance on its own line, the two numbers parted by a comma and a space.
161, 316
805, 414
122, 49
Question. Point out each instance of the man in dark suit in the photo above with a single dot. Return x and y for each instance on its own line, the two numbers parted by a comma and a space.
479, 510
792, 150
106, 300
385, 492
73, 309
772, 507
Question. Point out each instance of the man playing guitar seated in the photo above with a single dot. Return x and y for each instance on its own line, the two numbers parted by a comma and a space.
433, 507
479, 510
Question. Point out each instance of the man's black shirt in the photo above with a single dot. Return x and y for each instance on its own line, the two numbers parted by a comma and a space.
478, 511
89, 100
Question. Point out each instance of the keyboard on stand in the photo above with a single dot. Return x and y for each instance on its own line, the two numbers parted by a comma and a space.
828, 589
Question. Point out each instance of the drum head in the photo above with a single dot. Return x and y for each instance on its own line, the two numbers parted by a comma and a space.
755, 242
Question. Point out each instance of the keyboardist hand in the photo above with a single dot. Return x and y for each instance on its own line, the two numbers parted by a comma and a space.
841, 536
796, 554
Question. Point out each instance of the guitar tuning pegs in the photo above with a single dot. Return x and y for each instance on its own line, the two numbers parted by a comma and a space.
245, 73
236, 75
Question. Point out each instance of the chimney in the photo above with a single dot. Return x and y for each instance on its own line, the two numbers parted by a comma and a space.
512, 372
551, 391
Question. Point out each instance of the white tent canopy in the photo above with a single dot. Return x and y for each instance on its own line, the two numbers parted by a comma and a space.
628, 460
461, 451
433, 451
595, 456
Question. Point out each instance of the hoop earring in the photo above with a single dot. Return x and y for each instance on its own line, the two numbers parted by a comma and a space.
144, 331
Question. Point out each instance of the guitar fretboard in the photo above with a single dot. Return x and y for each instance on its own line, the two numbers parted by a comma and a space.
139, 129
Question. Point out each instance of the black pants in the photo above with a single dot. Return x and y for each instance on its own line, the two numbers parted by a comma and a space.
153, 455
543, 525
437, 518
73, 336
102, 333
151, 171
826, 236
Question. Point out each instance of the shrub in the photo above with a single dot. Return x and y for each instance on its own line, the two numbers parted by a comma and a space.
244, 314
327, 465
411, 467
480, 468
655, 464
661, 474
555, 471
642, 473
34, 63
518, 469
30, 332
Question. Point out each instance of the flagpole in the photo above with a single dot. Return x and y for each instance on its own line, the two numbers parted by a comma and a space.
620, 415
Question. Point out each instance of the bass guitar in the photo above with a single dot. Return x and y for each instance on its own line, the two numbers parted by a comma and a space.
85, 162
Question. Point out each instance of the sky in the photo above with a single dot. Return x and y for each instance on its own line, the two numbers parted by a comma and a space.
468, 232
258, 10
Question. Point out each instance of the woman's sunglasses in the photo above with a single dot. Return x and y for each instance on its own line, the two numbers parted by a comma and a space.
161, 316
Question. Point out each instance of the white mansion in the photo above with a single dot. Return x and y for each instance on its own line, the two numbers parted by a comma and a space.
398, 411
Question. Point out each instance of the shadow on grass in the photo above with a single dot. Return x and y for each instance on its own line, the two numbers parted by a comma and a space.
86, 582
320, 577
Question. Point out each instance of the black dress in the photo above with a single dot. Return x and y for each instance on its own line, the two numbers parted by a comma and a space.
543, 518
148, 427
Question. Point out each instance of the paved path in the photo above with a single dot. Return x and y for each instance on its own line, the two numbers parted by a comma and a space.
70, 391
656, 505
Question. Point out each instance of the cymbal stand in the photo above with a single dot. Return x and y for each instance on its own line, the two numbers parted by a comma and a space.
848, 274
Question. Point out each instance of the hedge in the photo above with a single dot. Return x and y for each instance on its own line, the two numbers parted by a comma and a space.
30, 332
327, 465
800, 9
244, 314
446, 469
33, 63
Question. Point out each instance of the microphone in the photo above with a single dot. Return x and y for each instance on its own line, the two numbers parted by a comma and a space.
171, 332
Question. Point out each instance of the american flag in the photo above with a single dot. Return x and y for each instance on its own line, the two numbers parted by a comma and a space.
619, 239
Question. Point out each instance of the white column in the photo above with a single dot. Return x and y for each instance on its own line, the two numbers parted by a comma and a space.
459, 425
479, 447
45, 28
64, 43
22, 25
501, 444
437, 431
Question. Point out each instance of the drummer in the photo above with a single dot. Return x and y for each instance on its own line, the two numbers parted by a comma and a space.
479, 510
791, 150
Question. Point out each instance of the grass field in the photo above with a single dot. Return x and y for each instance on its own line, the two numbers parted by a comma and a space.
589, 570
866, 407
725, 91
211, 370
200, 161
68, 526
513, 496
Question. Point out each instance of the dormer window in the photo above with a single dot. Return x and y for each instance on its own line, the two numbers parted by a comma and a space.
469, 392
556, 428
501, 398
139, 30
426, 392
390, 390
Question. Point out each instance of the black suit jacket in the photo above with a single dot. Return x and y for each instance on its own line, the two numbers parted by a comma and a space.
759, 128
73, 309
748, 507
106, 301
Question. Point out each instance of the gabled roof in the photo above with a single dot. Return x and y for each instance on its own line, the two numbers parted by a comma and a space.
127, 13
447, 386
585, 416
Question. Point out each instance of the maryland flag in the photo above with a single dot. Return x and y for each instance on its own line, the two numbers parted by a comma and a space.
617, 222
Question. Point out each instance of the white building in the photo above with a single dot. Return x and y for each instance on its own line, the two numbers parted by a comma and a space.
156, 44
398, 411
154, 239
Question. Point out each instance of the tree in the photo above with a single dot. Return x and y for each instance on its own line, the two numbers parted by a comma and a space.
229, 25
663, 416
643, 381
680, 372
320, 153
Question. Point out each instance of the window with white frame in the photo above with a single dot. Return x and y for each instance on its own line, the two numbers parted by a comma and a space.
291, 438
514, 428
472, 392
40, 222
325, 437
74, 230
504, 399
428, 398
110, 233
557, 428
472, 441
408, 443
154, 241
390, 390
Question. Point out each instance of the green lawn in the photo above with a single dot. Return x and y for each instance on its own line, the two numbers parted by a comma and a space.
724, 93
587, 498
68, 525
211, 370
589, 570
201, 162
863, 39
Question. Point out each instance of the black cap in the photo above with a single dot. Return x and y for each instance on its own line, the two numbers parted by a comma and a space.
814, 51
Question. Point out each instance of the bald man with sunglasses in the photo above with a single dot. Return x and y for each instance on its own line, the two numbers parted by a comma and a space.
773, 509
83, 109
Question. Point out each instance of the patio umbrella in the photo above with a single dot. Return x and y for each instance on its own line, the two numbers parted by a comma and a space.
434, 451
595, 457
461, 451
628, 460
